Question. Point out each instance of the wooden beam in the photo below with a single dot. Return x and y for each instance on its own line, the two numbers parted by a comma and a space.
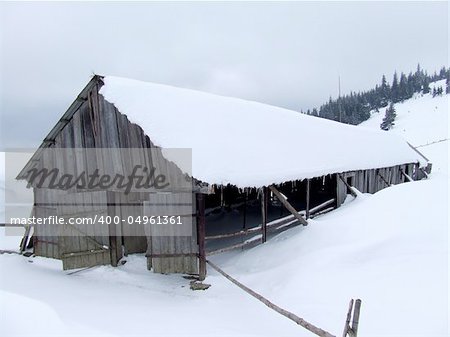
348, 186
201, 230
321, 206
253, 241
355, 321
308, 183
349, 318
171, 255
239, 233
406, 176
264, 197
288, 206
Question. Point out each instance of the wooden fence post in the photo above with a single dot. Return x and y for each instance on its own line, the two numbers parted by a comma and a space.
355, 321
352, 331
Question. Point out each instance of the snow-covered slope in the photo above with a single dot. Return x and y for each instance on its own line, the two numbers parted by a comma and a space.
421, 120
247, 143
389, 249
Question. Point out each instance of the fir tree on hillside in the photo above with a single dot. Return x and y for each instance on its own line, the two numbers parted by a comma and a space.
355, 107
388, 120
395, 92
426, 86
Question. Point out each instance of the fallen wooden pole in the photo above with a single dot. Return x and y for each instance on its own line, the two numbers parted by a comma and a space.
293, 317
288, 206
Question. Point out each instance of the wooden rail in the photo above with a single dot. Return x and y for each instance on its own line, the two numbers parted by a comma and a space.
230, 235
321, 206
247, 243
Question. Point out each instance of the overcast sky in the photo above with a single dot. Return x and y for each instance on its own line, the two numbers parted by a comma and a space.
286, 54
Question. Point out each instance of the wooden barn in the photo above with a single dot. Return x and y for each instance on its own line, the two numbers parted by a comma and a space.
253, 170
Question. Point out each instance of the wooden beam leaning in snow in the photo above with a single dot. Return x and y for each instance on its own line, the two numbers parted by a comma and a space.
288, 206
406, 176
293, 317
348, 186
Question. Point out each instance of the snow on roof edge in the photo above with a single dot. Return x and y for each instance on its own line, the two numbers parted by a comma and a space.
251, 144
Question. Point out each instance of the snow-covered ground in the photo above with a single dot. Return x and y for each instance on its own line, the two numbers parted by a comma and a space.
389, 249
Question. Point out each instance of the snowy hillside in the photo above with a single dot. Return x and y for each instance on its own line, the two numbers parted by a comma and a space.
389, 249
421, 120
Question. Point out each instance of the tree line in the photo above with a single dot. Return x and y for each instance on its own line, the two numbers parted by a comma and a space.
355, 107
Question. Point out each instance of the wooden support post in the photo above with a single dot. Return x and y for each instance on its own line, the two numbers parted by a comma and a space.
349, 318
352, 331
355, 321
288, 206
308, 183
264, 202
201, 229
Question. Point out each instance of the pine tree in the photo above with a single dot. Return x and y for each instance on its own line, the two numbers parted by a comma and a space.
388, 120
403, 88
384, 92
395, 94
426, 85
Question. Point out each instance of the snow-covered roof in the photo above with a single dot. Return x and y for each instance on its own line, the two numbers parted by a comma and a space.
251, 144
